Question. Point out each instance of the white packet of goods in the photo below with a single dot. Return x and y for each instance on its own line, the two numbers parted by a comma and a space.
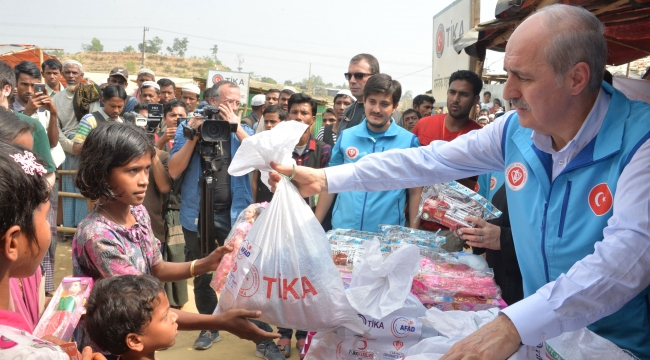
582, 344
284, 267
383, 286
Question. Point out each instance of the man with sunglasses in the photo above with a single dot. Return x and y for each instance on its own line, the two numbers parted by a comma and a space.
361, 68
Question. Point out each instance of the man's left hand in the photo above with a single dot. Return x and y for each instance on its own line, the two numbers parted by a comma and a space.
484, 235
497, 340
229, 115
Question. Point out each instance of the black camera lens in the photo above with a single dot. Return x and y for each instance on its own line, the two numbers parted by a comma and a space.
215, 130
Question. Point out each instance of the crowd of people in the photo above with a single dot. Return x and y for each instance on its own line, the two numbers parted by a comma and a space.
137, 217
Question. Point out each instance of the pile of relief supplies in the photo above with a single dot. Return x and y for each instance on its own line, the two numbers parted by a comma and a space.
284, 268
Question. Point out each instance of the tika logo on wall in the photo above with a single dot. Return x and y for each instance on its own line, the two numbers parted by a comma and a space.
217, 78
352, 152
440, 40
600, 199
516, 176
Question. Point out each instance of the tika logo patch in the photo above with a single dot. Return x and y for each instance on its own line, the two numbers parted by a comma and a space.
516, 176
493, 182
352, 152
600, 199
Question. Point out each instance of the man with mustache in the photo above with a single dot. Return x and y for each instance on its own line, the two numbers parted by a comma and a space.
577, 183
463, 94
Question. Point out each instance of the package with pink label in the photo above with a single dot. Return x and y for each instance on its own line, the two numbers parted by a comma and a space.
68, 304
242, 225
449, 203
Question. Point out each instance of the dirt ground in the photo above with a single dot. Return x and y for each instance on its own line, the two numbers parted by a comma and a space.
230, 347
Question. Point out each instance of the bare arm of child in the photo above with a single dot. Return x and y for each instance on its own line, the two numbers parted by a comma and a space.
170, 271
160, 175
234, 321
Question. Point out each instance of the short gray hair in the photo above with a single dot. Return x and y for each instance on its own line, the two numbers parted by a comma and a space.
214, 92
578, 36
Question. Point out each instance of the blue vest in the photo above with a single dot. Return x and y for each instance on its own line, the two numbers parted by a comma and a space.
557, 223
360, 210
489, 184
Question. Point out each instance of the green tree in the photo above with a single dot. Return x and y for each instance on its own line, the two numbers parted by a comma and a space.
288, 82
179, 47
268, 80
95, 45
153, 46
407, 95
128, 49
58, 53
130, 66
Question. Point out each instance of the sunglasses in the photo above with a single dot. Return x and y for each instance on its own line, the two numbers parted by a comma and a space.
357, 76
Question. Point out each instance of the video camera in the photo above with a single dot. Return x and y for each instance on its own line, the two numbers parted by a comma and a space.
213, 129
151, 123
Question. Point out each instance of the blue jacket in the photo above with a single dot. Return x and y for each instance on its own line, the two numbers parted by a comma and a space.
361, 210
240, 186
489, 183
548, 246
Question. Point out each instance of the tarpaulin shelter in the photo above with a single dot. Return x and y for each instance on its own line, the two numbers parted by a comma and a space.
627, 27
12, 54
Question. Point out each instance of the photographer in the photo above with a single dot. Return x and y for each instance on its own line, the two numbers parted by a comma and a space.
185, 159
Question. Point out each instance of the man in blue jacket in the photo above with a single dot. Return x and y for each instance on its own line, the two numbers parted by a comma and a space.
378, 132
577, 180
185, 160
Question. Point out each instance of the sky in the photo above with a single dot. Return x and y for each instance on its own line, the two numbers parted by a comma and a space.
276, 39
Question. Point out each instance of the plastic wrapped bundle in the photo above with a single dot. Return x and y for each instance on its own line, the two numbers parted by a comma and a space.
283, 267
449, 203
243, 224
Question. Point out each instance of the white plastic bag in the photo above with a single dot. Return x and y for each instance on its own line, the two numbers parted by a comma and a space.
284, 267
379, 291
380, 286
456, 325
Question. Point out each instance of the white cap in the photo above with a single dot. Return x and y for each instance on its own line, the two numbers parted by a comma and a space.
258, 100
290, 88
483, 117
150, 84
491, 116
347, 93
191, 88
146, 71
74, 62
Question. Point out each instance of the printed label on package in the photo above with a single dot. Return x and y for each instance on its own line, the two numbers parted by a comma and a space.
244, 278
387, 339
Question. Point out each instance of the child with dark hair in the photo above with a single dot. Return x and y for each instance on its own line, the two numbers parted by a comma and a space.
130, 316
116, 237
24, 239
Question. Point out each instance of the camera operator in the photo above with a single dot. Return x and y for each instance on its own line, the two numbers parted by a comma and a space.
186, 160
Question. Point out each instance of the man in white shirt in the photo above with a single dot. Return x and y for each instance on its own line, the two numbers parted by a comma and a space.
487, 103
584, 161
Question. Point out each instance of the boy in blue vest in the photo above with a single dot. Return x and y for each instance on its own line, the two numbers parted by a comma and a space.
577, 184
378, 132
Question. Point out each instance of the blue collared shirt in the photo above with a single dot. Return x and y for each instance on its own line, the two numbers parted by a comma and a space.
240, 186
594, 287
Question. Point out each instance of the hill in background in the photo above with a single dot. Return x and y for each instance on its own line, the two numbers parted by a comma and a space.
162, 65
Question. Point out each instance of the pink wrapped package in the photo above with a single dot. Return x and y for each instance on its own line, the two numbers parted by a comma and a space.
64, 311
243, 223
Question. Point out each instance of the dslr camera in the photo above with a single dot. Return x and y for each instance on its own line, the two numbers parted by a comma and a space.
213, 129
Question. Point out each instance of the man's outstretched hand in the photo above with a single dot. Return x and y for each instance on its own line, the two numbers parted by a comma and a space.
496, 340
308, 181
